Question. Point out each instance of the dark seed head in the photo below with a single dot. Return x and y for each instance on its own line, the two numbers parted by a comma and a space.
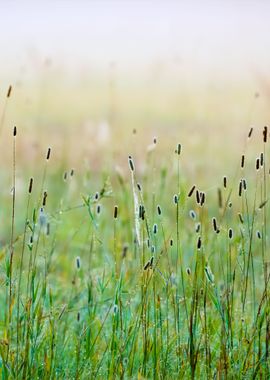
261, 159
257, 163
242, 161
9, 91
250, 132
265, 130
143, 213
230, 233
131, 164
44, 198
30, 186
15, 131
198, 198
115, 212
48, 154
158, 210
140, 211
240, 217
151, 261
214, 222
202, 198
78, 262
198, 227
191, 190
240, 188
192, 214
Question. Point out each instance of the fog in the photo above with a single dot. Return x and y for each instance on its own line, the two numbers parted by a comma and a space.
214, 37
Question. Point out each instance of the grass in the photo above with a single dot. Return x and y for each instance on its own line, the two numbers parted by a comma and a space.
139, 274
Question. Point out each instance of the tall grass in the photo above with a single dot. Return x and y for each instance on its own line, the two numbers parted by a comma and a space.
141, 276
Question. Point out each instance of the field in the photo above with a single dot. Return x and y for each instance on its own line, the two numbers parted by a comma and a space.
135, 178
148, 259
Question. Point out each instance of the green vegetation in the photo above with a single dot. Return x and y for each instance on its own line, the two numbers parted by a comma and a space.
136, 273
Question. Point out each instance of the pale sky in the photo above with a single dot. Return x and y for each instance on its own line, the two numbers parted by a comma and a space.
204, 35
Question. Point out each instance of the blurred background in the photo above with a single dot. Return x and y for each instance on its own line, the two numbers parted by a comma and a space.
98, 80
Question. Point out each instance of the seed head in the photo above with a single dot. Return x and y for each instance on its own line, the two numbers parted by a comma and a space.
131, 164
78, 262
48, 154
45, 194
257, 163
198, 198
244, 182
199, 243
202, 198
115, 212
240, 188
265, 129
115, 309
191, 191
261, 159
240, 217
242, 161
9, 91
30, 186
192, 214
214, 222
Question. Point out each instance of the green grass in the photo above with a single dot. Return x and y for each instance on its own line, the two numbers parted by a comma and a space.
102, 278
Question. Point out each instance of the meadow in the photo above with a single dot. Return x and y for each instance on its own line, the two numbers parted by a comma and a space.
133, 253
